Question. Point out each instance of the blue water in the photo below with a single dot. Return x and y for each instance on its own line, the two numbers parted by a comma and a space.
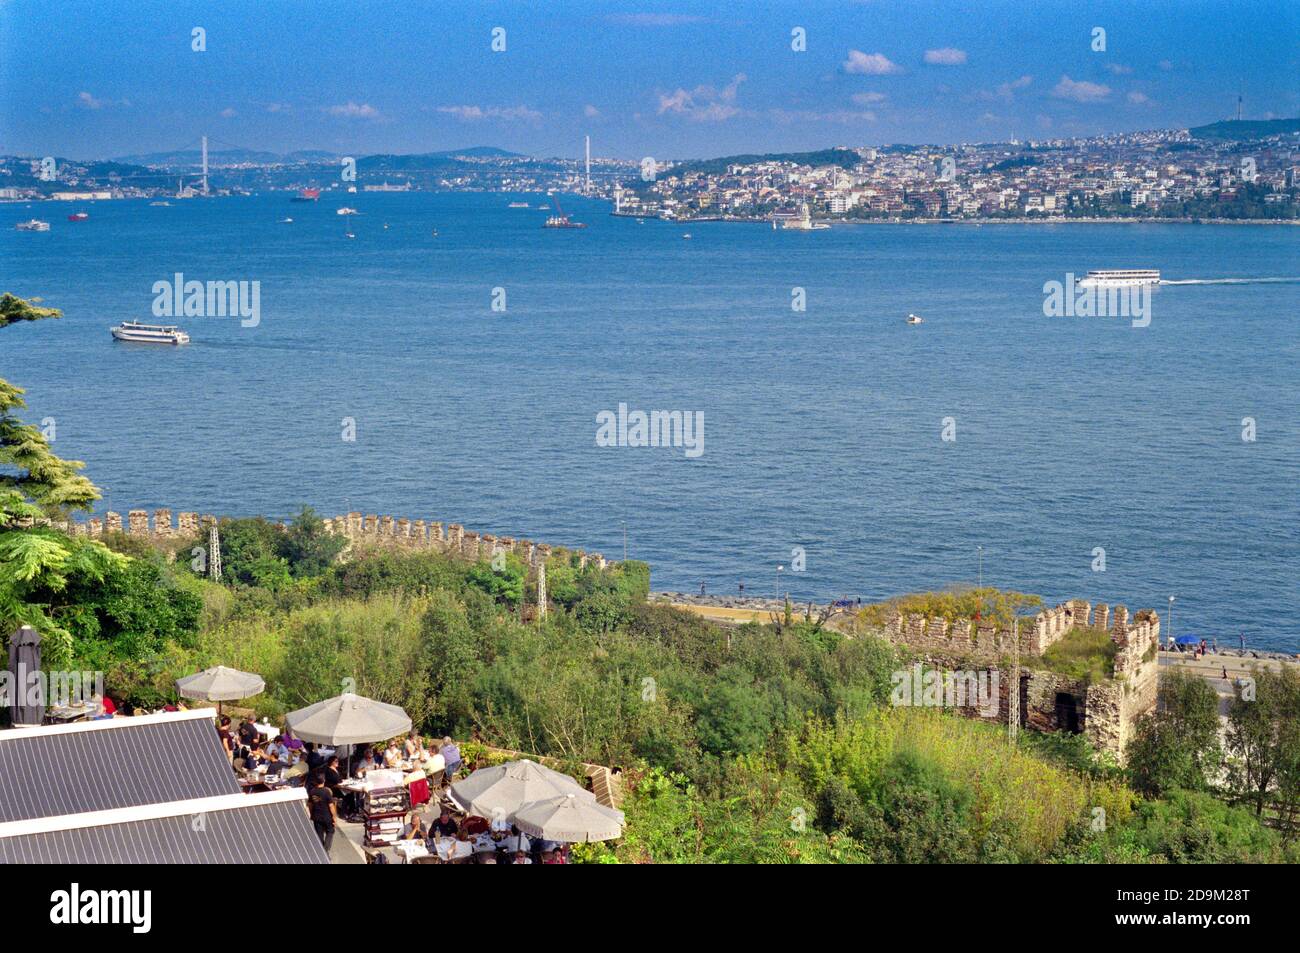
822, 428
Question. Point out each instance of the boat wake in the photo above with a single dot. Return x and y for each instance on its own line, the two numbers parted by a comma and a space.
1228, 281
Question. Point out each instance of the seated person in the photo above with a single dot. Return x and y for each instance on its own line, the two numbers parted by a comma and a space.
445, 825
485, 858
451, 758
290, 742
392, 755
277, 751
255, 759
248, 733
521, 858
414, 747
332, 776
515, 842
315, 759
415, 828
474, 825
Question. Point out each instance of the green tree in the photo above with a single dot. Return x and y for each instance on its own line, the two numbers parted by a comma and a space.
37, 561
1177, 745
1263, 740
307, 548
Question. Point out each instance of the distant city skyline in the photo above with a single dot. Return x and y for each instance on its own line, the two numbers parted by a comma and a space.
669, 80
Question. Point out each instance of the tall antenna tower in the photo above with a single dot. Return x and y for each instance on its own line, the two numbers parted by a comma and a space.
205, 165
1013, 690
214, 552
1239, 98
588, 189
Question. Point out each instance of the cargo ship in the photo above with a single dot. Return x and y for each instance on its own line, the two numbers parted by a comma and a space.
78, 216
561, 220
306, 195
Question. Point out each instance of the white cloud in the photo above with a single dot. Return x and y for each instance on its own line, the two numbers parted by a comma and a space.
947, 56
1008, 90
1139, 99
87, 101
228, 113
590, 111
351, 110
277, 107
868, 99
1119, 69
1165, 65
1080, 91
502, 113
870, 64
703, 103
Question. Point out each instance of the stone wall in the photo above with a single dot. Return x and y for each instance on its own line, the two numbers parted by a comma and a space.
1106, 711
361, 531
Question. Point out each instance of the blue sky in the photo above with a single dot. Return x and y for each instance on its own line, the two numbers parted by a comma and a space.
98, 79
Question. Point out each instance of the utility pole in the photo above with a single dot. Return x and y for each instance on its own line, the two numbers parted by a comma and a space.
624, 540
214, 552
1013, 690
980, 584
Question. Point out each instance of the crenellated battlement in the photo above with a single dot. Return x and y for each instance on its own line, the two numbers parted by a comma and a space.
360, 530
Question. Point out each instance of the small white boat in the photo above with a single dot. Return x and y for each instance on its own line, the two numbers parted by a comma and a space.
34, 225
518, 205
286, 221
346, 211
687, 235
915, 319
161, 204
139, 333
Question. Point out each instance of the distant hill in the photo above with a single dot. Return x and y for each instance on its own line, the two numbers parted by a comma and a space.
217, 158
1246, 129
845, 158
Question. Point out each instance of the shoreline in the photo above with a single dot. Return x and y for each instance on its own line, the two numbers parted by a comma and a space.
836, 222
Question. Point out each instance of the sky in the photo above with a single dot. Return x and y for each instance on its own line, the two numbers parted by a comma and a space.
666, 79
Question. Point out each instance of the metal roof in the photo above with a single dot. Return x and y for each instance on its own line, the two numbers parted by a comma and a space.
270, 828
113, 763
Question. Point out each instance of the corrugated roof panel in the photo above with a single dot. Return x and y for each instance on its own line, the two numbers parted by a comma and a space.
275, 833
127, 765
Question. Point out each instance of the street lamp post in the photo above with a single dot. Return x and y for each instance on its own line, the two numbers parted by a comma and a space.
624, 540
778, 581
1170, 621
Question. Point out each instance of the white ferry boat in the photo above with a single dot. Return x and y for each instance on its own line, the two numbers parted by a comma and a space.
915, 319
1117, 279
35, 225
149, 333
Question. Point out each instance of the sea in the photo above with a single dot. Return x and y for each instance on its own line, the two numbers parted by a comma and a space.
454, 360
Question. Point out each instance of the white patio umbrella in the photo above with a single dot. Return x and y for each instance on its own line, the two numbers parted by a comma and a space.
569, 819
499, 791
218, 684
348, 719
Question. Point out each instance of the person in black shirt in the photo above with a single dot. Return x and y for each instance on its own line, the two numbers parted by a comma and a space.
315, 759
321, 808
332, 776
445, 825
248, 732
